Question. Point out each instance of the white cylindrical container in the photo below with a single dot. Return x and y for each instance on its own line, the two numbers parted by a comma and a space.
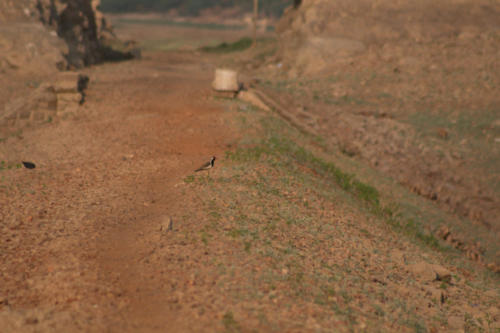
225, 80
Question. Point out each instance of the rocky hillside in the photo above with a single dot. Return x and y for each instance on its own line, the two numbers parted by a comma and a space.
410, 88
315, 33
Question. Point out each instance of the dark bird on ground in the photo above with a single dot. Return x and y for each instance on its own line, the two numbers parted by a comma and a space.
207, 166
29, 165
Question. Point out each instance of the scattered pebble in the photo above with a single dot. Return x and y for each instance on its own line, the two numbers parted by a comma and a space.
167, 224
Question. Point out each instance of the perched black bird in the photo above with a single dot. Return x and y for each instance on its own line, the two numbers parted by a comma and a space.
29, 165
207, 166
83, 83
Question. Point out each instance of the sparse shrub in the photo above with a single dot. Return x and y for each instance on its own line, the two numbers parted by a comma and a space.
230, 324
238, 46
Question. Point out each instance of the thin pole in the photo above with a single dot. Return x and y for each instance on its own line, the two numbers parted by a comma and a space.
255, 17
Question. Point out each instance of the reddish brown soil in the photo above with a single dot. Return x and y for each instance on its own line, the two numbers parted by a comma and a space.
72, 227
263, 244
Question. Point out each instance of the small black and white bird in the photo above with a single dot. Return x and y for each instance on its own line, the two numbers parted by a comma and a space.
207, 166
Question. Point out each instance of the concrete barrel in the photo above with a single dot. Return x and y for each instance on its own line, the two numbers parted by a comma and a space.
226, 80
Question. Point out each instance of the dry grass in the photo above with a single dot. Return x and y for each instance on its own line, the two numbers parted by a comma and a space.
308, 237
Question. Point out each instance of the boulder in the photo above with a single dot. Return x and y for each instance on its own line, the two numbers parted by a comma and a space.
251, 97
426, 272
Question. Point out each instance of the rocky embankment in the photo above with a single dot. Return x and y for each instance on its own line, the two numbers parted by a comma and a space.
390, 72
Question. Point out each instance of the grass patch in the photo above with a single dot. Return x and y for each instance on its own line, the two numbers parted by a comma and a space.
8, 166
230, 324
469, 132
189, 179
281, 152
204, 237
238, 46
290, 154
471, 124
345, 100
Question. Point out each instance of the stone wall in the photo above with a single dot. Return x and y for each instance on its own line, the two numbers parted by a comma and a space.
56, 98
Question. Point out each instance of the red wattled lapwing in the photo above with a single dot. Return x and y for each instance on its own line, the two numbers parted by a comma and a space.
207, 166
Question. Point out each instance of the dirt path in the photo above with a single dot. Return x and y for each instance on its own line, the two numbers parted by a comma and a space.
176, 128
105, 182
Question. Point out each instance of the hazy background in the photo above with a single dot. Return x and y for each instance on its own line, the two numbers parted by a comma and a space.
192, 7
